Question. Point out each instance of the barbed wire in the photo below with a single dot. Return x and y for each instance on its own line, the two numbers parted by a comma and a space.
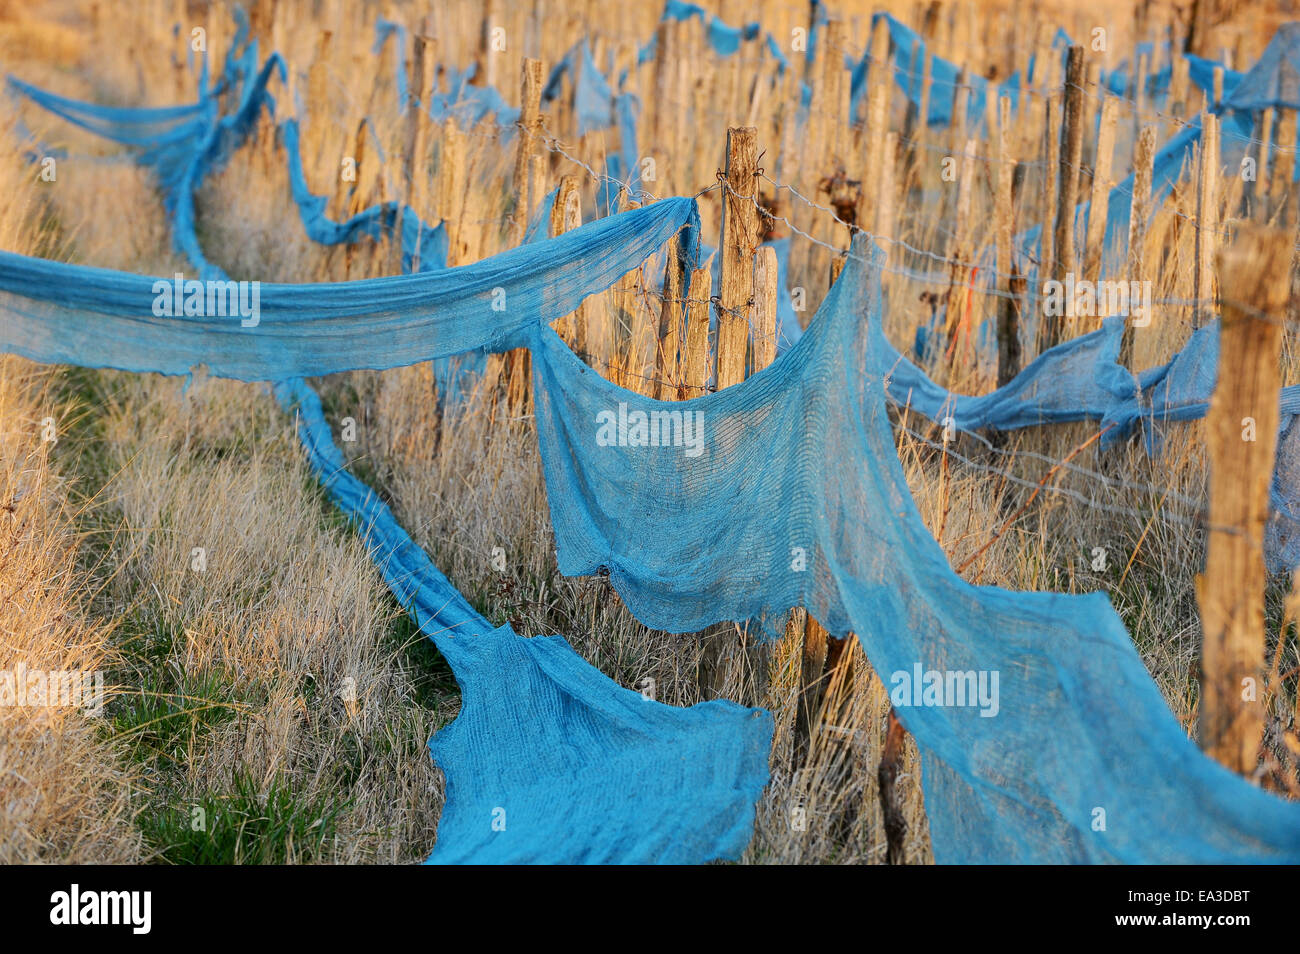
1077, 496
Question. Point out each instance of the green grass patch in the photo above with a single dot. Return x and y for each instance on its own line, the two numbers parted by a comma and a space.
243, 826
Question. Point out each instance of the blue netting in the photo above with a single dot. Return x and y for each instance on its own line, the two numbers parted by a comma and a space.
802, 455
549, 760
592, 98
576, 768
694, 508
723, 38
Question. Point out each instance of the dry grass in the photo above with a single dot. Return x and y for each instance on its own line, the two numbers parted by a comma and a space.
63, 788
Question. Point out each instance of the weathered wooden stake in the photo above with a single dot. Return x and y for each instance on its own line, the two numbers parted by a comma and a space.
1178, 84
669, 355
1008, 281
639, 360
696, 371
740, 238
812, 679
566, 215
891, 763
961, 249
1265, 144
765, 294
1099, 205
1051, 183
530, 124
451, 193
1207, 219
1241, 430
1283, 164
887, 197
879, 81
1139, 212
1067, 190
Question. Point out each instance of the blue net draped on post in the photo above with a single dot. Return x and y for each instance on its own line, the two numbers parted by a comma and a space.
593, 100
1082, 380
52, 309
697, 519
424, 247
184, 149
550, 761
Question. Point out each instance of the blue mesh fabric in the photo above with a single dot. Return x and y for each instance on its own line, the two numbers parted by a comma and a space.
694, 508
550, 761
802, 455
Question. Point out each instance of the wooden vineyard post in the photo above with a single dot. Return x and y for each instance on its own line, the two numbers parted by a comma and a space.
487, 62
961, 251
518, 362
921, 134
1139, 211
319, 128
1283, 164
740, 231
566, 215
891, 763
1207, 219
1241, 430
1263, 181
417, 139
1178, 81
740, 238
669, 355
887, 201
1008, 282
1098, 205
451, 194
766, 273
665, 98
1198, 36
821, 161
812, 673
1067, 188
960, 106
530, 124
879, 83
639, 359
1052, 130
695, 373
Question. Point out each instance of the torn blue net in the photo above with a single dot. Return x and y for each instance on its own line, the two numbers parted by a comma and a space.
424, 247
724, 39
183, 145
469, 105
801, 458
593, 100
549, 760
1082, 380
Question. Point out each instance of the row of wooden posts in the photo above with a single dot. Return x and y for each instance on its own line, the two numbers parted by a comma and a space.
1256, 274
744, 344
1251, 273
